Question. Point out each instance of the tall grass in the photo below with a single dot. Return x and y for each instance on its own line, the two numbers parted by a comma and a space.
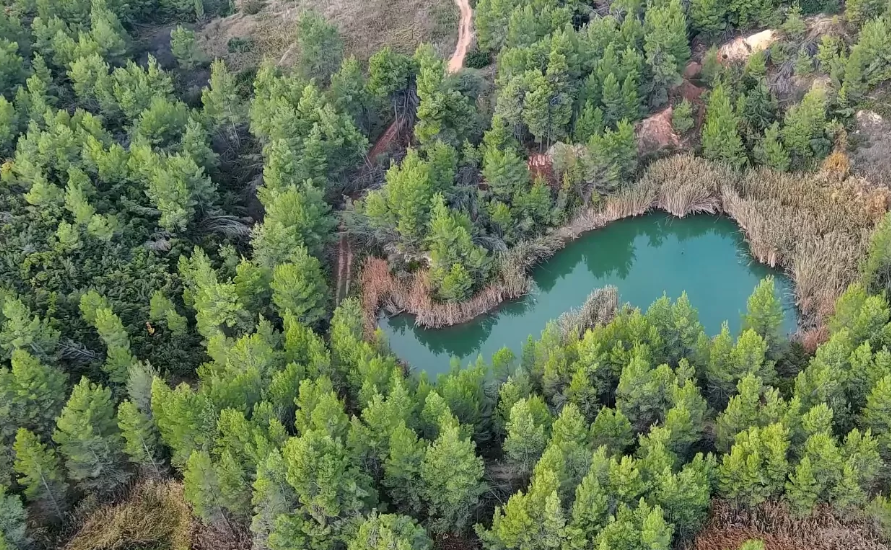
772, 523
155, 515
814, 226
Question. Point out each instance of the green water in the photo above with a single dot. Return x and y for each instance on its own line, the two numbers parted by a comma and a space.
643, 257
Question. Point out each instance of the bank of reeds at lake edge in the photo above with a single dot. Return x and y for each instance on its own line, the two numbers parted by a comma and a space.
815, 226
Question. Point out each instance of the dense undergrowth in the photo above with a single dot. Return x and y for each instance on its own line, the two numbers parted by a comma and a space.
173, 371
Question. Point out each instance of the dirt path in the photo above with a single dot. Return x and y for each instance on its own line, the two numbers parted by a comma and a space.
465, 36
344, 267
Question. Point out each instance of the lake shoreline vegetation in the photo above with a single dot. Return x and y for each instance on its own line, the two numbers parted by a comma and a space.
176, 372
780, 230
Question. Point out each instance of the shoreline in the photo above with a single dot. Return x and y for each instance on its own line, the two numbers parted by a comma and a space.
676, 187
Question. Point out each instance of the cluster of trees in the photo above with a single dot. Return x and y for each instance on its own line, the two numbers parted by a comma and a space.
599, 438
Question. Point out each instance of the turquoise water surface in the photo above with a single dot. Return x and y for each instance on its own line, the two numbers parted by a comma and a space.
643, 257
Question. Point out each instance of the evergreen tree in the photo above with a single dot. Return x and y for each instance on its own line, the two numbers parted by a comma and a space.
770, 151
141, 439
12, 522
201, 488
89, 439
666, 47
320, 47
387, 531
534, 520
613, 430
185, 419
272, 497
451, 499
764, 315
526, 439
299, 287
185, 48
720, 133
875, 270
40, 475
708, 17
222, 104
33, 396
804, 124
402, 469
328, 486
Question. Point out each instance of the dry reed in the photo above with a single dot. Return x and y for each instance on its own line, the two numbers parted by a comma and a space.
155, 515
599, 308
814, 226
729, 527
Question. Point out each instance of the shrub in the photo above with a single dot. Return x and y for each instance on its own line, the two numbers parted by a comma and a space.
682, 117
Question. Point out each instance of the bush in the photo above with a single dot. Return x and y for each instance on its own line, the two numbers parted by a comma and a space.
682, 117
477, 59
240, 45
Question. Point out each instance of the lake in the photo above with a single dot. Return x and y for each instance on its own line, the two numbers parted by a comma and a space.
644, 257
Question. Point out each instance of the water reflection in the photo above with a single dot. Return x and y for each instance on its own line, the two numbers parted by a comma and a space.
644, 257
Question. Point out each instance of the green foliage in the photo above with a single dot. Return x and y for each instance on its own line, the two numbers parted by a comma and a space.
385, 531
40, 475
320, 47
89, 439
185, 48
299, 287
451, 499
708, 17
666, 47
803, 127
875, 270
12, 522
720, 132
682, 117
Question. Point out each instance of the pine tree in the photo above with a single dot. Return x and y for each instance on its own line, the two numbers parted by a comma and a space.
802, 489
875, 271
402, 469
804, 124
184, 47
708, 17
23, 330
387, 531
141, 439
33, 394
40, 475
534, 520
720, 133
764, 315
613, 430
451, 499
326, 482
525, 440
770, 151
320, 47
89, 439
12, 522
222, 104
666, 46
272, 497
201, 488
299, 287
185, 419
588, 123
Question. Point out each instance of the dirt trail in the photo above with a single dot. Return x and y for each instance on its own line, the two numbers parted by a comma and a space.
465, 36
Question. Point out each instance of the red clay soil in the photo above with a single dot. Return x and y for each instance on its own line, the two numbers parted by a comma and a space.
655, 133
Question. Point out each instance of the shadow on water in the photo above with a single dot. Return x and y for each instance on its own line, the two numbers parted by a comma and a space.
644, 257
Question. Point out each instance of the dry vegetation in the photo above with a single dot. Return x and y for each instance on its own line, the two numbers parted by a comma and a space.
155, 515
728, 528
814, 226
365, 27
